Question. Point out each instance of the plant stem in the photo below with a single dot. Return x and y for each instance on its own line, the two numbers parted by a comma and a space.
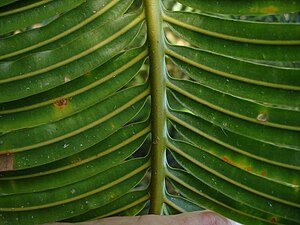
158, 99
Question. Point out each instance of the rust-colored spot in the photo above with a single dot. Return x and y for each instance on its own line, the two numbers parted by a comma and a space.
224, 158
264, 173
274, 219
60, 103
270, 9
6, 162
248, 168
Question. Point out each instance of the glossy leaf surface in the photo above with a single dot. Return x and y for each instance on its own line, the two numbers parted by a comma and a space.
131, 107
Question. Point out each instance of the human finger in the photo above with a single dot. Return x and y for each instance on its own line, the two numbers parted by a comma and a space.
193, 218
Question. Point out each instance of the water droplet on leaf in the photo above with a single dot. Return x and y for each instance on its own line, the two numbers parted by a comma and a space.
67, 79
66, 145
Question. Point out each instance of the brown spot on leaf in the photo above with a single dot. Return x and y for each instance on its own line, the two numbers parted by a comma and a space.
6, 162
274, 219
264, 173
60, 103
248, 168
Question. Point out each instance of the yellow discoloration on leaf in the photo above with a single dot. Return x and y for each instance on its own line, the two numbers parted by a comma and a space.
270, 9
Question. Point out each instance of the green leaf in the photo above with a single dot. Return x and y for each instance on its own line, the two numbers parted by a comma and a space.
252, 7
65, 28
237, 30
277, 77
251, 51
274, 192
254, 162
254, 148
66, 131
222, 102
176, 204
91, 161
98, 83
21, 19
236, 191
276, 98
126, 202
6, 2
80, 198
119, 108
75, 62
209, 198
